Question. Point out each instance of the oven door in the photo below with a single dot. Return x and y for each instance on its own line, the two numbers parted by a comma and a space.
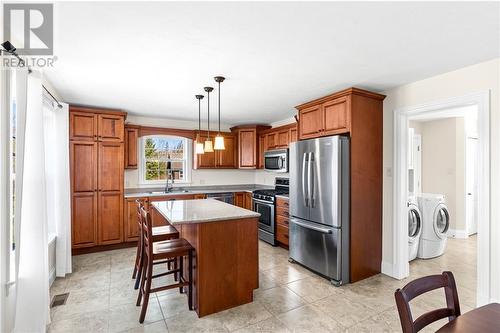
266, 210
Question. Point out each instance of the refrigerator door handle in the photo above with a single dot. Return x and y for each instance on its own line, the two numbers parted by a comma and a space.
304, 193
311, 179
312, 227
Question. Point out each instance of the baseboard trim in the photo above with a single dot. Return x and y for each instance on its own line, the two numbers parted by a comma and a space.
457, 233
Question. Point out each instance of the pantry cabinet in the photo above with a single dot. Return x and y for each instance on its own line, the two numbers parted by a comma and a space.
96, 176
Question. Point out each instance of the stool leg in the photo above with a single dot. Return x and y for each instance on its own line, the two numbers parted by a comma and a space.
137, 258
149, 278
181, 271
190, 277
139, 270
176, 276
142, 276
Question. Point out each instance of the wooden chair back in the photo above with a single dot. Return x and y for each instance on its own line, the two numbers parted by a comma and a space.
420, 286
147, 232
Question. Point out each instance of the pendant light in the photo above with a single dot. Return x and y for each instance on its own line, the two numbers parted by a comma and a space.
208, 143
198, 144
219, 139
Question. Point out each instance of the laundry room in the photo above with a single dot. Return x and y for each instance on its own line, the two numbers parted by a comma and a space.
443, 167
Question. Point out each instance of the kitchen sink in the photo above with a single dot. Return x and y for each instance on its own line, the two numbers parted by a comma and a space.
180, 190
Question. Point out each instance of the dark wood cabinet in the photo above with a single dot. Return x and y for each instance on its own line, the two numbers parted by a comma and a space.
131, 141
293, 134
239, 199
271, 141
282, 224
262, 149
218, 159
96, 172
357, 113
248, 143
130, 226
248, 201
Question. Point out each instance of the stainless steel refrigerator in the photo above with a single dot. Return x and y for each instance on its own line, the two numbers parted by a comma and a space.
319, 206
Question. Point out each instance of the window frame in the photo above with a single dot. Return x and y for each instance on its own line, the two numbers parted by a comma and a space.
188, 146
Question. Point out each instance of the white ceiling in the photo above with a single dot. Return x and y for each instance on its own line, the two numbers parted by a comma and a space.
152, 58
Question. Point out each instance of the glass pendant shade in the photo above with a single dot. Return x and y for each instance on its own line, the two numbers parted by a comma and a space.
199, 149
219, 142
208, 146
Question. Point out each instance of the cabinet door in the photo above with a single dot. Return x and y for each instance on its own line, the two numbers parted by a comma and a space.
272, 141
84, 219
247, 141
111, 128
239, 199
248, 201
130, 226
310, 122
336, 116
226, 159
293, 134
283, 138
205, 160
262, 149
131, 136
110, 166
82, 126
110, 223
83, 160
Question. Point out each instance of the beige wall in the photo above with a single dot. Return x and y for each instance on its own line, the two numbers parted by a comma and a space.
480, 77
443, 159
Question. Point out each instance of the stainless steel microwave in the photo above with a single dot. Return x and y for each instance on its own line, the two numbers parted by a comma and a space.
276, 160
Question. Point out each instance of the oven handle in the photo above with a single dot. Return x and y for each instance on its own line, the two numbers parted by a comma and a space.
263, 202
308, 226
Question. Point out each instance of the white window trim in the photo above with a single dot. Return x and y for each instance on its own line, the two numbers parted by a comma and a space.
142, 162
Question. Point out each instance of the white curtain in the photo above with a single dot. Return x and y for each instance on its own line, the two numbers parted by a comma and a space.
32, 286
56, 132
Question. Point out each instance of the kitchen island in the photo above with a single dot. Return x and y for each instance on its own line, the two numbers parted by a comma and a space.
225, 239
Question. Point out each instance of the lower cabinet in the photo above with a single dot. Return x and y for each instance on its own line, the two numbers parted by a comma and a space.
282, 221
110, 227
84, 219
243, 200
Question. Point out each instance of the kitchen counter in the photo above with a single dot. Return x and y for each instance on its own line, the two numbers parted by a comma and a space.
226, 251
160, 191
200, 211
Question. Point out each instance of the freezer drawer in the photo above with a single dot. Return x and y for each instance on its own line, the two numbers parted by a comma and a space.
317, 247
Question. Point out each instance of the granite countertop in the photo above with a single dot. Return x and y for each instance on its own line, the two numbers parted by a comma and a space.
152, 192
200, 211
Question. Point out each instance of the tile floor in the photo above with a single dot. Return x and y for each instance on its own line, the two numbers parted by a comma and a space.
290, 298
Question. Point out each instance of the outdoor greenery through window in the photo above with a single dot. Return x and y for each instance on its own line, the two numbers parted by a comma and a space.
161, 152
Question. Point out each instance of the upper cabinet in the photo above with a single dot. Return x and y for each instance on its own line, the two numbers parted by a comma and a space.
131, 139
248, 145
218, 159
330, 115
88, 124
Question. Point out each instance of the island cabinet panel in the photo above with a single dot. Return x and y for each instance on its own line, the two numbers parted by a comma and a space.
111, 127
131, 141
357, 113
225, 272
84, 219
83, 126
130, 225
110, 223
96, 173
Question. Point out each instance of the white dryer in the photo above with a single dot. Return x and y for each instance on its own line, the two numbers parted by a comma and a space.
414, 227
436, 222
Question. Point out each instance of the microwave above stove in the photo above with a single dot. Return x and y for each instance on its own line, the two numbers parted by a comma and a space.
276, 160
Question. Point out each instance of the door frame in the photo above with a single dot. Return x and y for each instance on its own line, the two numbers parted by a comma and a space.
401, 117
467, 174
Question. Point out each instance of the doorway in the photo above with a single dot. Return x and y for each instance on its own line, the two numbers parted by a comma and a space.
436, 110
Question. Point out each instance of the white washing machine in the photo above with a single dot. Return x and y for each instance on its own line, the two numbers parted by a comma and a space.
414, 227
435, 225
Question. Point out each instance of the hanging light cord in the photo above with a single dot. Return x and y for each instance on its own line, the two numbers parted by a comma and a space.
199, 115
219, 108
208, 127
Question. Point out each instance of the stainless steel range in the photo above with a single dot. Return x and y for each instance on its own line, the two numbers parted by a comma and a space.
263, 203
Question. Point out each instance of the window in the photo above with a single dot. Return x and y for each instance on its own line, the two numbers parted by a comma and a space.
158, 152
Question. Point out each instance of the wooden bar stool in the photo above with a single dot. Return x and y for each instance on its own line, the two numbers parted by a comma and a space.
162, 233
174, 250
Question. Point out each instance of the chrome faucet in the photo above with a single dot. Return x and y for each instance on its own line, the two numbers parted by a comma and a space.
171, 176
